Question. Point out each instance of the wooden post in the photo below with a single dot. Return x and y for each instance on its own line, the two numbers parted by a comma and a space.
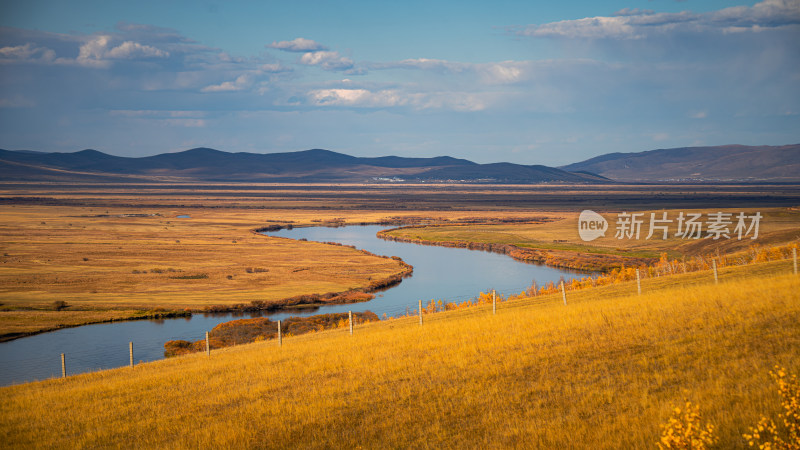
350, 318
280, 337
563, 293
638, 282
420, 312
714, 266
130, 347
794, 257
63, 366
494, 302
535, 289
208, 347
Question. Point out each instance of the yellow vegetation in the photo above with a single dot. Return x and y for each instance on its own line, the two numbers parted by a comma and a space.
785, 435
602, 372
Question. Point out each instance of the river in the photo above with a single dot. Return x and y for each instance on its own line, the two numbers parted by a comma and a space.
450, 274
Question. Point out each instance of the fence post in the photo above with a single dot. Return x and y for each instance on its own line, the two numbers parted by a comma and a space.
63, 366
280, 337
714, 266
208, 347
563, 293
420, 312
794, 257
130, 347
350, 318
494, 302
638, 282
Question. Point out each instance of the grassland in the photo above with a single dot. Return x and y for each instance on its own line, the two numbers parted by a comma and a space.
115, 263
112, 251
602, 372
560, 242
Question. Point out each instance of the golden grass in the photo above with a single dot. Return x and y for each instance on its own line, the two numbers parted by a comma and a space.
778, 226
21, 323
603, 372
142, 257
70, 254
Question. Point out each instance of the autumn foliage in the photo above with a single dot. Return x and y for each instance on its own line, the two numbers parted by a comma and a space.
244, 331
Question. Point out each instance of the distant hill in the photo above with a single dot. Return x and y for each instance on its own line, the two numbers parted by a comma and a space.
726, 163
205, 164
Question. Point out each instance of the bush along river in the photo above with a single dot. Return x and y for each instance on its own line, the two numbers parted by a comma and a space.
440, 273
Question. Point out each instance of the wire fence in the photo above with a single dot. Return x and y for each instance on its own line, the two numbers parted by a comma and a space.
26, 367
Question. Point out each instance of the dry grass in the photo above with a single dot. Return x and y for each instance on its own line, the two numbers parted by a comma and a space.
778, 226
70, 254
135, 257
603, 372
15, 324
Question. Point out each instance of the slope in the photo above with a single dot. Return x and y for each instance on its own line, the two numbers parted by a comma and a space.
604, 371
712, 164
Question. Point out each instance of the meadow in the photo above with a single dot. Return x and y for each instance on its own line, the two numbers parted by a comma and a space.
604, 371
558, 237
118, 263
117, 252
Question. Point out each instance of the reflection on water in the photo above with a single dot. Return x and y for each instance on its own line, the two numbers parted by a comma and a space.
450, 274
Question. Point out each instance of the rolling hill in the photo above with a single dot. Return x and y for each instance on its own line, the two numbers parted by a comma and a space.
726, 163
205, 164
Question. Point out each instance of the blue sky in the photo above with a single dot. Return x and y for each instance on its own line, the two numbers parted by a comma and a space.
522, 81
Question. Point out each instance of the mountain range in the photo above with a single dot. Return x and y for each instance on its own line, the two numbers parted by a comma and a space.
726, 163
730, 163
205, 164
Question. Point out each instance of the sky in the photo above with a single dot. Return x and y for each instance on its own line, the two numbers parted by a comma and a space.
529, 82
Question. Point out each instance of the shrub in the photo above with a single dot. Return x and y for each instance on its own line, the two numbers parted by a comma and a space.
199, 276
684, 431
58, 305
766, 434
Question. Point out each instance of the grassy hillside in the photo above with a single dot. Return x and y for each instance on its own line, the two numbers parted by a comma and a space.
719, 163
602, 372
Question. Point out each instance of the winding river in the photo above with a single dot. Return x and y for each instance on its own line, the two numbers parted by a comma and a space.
450, 274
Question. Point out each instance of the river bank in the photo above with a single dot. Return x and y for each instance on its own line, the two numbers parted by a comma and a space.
583, 261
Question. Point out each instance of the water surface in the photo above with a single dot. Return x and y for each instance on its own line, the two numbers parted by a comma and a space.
451, 274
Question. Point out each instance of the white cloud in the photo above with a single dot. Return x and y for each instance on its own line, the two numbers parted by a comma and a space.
356, 97
327, 60
438, 65
91, 53
636, 24
503, 73
97, 51
298, 45
363, 98
274, 68
28, 52
133, 50
241, 82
